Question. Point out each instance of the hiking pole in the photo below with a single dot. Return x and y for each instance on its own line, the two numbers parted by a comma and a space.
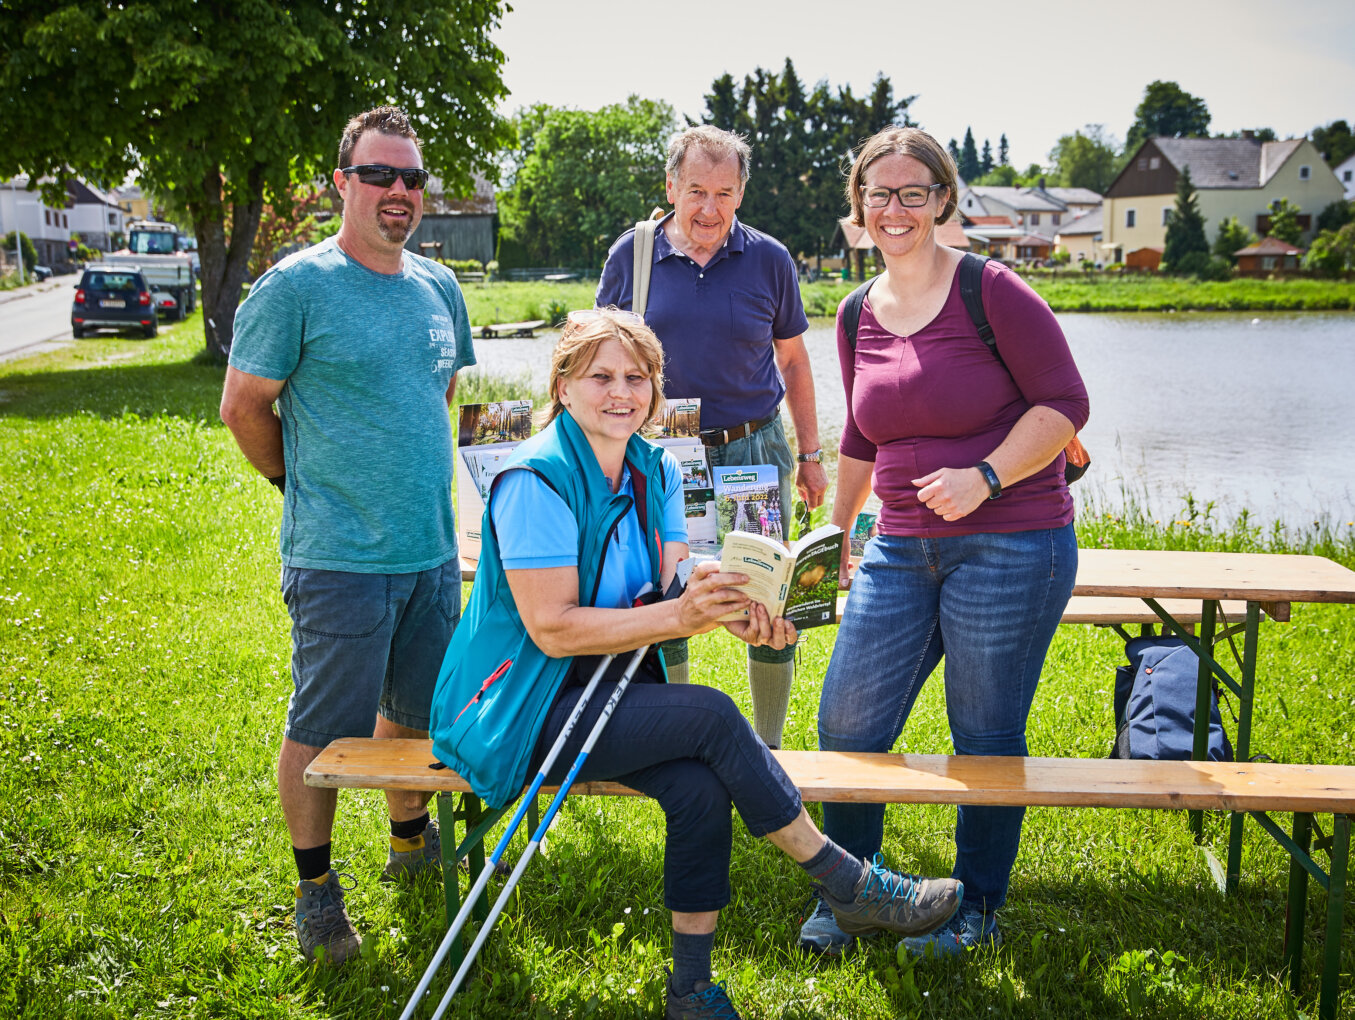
540, 833
483, 880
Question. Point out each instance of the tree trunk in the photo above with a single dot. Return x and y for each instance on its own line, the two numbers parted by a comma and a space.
225, 265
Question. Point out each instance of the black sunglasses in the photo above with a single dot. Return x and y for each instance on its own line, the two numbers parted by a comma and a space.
384, 176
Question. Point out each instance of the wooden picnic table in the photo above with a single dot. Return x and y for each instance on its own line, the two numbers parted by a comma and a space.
501, 329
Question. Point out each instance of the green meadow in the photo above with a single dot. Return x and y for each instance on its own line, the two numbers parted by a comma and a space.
145, 871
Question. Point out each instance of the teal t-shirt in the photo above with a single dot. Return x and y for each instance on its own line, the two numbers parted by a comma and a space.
366, 435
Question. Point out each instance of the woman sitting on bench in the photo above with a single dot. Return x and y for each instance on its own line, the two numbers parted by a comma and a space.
584, 516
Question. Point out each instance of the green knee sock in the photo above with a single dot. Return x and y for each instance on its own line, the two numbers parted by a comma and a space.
770, 684
677, 672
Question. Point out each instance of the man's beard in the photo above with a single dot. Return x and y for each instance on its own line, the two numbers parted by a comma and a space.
395, 234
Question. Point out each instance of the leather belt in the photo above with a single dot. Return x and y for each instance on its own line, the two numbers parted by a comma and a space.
719, 437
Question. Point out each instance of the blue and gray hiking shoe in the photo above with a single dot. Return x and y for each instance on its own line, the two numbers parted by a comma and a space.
820, 934
421, 853
323, 929
903, 904
968, 929
707, 1002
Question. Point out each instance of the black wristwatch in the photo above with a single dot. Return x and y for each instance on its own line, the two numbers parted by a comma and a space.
990, 476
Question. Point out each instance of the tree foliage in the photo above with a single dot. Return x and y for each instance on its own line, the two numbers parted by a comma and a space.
1231, 237
1284, 222
1085, 159
1185, 229
23, 247
802, 141
221, 107
1335, 141
969, 165
1332, 251
1336, 215
580, 177
1168, 110
1002, 147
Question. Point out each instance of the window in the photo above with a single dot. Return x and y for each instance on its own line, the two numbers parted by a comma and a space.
112, 219
1154, 162
1056, 218
1143, 163
1035, 219
65, 221
1166, 215
1305, 172
1129, 217
47, 216
1345, 177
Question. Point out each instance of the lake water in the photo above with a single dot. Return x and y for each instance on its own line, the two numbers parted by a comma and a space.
1247, 410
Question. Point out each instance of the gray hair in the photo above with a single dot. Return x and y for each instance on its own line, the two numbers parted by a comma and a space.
717, 145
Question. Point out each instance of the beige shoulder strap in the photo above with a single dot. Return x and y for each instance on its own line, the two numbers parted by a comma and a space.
644, 263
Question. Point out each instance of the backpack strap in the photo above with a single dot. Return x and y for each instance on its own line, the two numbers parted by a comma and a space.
851, 310
644, 263
971, 293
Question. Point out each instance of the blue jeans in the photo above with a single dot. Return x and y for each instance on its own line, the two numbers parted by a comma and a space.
366, 643
768, 445
990, 603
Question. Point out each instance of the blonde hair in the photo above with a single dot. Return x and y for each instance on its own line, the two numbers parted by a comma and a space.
907, 141
578, 345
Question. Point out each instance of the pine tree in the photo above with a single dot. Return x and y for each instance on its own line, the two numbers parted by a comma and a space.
1002, 151
969, 157
986, 160
954, 151
1185, 230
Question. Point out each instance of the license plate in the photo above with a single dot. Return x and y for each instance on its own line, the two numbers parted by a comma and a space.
112, 303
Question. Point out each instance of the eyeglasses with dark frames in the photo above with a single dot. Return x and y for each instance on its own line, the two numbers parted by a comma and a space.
383, 176
910, 196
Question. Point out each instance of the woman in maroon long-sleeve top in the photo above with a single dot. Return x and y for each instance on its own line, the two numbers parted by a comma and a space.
976, 555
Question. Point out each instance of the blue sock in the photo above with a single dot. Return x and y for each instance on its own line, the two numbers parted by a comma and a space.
836, 870
691, 961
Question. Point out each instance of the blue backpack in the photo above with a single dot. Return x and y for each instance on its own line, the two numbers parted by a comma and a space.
1155, 703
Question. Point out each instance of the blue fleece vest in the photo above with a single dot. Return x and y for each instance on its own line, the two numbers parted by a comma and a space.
496, 687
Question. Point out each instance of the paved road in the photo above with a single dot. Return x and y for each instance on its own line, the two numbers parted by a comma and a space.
37, 314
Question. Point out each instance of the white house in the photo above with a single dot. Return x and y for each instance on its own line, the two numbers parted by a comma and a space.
1345, 173
23, 210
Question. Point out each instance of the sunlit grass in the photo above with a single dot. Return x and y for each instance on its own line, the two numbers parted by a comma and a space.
145, 870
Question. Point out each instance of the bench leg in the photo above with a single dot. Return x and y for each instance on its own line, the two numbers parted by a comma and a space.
1204, 686
1296, 911
1336, 905
1243, 748
451, 876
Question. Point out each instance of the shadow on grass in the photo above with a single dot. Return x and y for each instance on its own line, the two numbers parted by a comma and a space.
185, 389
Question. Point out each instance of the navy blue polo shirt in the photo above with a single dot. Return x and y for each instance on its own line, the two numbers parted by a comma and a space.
719, 323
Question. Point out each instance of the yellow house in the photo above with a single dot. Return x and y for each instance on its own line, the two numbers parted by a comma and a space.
1238, 177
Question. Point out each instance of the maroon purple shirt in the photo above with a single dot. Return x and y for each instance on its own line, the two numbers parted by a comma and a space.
940, 398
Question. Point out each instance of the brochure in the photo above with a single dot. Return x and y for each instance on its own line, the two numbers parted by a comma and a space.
748, 499
799, 583
486, 435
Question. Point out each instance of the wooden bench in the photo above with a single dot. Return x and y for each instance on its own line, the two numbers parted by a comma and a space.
502, 329
1255, 788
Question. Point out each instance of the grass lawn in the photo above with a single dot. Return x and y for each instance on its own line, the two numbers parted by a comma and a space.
145, 870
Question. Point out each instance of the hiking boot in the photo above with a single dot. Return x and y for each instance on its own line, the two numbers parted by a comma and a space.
707, 1002
820, 934
968, 929
323, 929
904, 904
425, 852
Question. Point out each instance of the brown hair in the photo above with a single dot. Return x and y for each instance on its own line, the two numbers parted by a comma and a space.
717, 144
384, 120
578, 346
906, 141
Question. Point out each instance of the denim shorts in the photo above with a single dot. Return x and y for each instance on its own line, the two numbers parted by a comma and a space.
768, 445
366, 643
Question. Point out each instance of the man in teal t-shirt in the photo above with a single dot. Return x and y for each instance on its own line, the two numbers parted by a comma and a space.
358, 343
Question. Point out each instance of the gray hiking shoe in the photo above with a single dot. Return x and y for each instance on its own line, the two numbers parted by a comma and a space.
903, 904
820, 935
323, 929
707, 1002
426, 853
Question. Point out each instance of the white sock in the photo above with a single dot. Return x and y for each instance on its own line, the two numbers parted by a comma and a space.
770, 684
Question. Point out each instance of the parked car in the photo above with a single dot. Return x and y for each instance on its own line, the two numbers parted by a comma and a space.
41, 273
166, 305
113, 297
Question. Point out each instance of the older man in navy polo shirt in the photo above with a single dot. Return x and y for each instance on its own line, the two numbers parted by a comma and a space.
725, 302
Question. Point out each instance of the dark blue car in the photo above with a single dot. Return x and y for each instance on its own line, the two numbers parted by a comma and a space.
113, 297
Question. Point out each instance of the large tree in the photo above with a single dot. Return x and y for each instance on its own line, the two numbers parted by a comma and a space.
1085, 159
580, 177
1186, 242
1335, 141
801, 144
222, 107
969, 166
1169, 110
1284, 222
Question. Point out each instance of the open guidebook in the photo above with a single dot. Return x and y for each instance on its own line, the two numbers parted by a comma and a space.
799, 583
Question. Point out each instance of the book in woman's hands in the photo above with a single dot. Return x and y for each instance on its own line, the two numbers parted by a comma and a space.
799, 583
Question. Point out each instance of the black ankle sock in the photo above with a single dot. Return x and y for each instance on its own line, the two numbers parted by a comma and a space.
411, 828
836, 870
691, 961
313, 862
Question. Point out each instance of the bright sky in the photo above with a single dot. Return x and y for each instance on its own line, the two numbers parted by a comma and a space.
1035, 71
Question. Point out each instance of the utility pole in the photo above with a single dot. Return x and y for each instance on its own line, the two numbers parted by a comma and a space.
18, 234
